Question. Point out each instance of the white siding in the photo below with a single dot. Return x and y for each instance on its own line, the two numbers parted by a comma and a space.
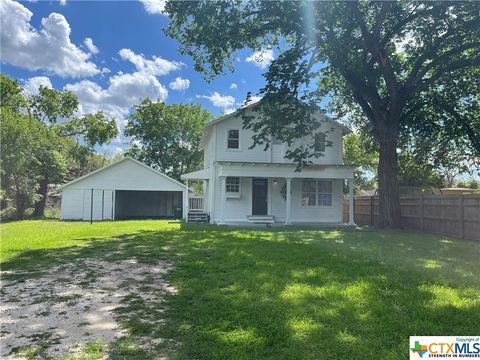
278, 153
125, 175
97, 203
245, 154
108, 205
275, 153
234, 209
237, 210
72, 204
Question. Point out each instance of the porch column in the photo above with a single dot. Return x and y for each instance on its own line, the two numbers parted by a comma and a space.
351, 215
222, 200
204, 201
288, 201
185, 205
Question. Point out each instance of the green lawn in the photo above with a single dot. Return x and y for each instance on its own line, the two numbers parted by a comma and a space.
275, 293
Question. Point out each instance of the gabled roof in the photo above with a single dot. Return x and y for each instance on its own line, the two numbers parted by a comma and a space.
345, 129
127, 158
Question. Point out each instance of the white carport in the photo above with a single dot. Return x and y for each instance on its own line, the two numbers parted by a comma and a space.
127, 189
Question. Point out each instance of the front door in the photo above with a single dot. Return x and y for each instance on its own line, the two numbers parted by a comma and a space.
259, 196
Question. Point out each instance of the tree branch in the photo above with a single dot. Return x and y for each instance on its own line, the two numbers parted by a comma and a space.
378, 52
443, 59
417, 72
460, 64
471, 134
379, 20
401, 24
368, 92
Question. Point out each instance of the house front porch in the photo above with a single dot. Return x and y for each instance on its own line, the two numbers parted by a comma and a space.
254, 193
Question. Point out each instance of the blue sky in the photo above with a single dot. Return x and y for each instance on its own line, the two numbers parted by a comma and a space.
112, 54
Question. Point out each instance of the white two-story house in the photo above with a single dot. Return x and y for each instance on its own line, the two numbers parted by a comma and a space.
243, 185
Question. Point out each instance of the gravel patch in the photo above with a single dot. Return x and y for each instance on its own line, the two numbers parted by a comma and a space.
73, 304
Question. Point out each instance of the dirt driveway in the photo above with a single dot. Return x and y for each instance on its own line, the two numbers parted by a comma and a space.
81, 308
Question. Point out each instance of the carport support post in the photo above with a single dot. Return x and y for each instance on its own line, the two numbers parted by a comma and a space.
351, 220
185, 212
91, 207
288, 199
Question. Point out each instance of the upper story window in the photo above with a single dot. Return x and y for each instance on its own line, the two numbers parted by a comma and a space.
276, 141
319, 145
317, 192
233, 139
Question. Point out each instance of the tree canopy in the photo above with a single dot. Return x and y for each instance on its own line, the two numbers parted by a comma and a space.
43, 142
373, 60
166, 137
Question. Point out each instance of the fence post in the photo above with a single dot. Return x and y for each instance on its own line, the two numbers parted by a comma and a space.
462, 217
422, 213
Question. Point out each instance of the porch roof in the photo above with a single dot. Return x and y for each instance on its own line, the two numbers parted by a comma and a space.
281, 170
196, 175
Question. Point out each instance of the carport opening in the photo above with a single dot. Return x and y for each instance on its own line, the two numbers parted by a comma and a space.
133, 204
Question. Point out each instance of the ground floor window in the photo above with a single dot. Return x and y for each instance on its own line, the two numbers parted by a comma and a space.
232, 185
317, 192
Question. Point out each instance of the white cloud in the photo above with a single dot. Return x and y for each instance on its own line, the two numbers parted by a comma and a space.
157, 66
31, 85
154, 6
252, 100
123, 92
63, 2
228, 111
90, 46
117, 150
225, 102
233, 86
261, 58
180, 84
48, 48
125, 89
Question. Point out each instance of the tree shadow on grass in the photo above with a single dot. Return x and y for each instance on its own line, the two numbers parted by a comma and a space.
449, 260
279, 294
263, 295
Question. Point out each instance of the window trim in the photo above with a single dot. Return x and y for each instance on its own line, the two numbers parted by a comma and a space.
230, 194
239, 140
316, 206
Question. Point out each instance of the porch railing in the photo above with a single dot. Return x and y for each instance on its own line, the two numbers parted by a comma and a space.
195, 203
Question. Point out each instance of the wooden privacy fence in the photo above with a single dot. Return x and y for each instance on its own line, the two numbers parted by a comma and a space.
456, 216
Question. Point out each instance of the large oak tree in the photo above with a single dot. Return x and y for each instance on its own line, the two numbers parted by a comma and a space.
374, 59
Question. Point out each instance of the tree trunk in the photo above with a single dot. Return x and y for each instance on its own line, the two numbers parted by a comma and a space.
388, 188
39, 210
19, 207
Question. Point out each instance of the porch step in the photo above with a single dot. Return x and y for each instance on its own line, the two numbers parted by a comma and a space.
198, 217
261, 219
